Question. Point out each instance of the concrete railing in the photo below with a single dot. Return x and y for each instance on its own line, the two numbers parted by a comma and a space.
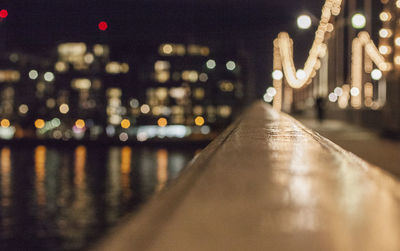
269, 183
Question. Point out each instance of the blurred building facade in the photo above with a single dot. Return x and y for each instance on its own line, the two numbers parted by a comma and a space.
83, 91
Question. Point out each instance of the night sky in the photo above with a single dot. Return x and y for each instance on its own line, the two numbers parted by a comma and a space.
36, 27
45, 22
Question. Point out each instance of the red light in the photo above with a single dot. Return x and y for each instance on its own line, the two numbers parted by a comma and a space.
3, 13
103, 25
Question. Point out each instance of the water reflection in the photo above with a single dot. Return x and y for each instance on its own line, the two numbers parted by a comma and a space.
62, 199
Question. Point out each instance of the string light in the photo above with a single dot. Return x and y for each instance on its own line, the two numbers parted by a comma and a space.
283, 56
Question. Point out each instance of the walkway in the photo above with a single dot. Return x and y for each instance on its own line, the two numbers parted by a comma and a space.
363, 142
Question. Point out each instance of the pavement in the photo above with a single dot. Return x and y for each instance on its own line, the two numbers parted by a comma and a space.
363, 142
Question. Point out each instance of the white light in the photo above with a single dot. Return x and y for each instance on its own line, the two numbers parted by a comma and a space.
338, 91
268, 98
23, 108
358, 21
64, 108
145, 109
332, 97
211, 64
301, 74
277, 75
376, 74
304, 22
49, 76
271, 91
33, 74
123, 136
230, 65
384, 33
354, 91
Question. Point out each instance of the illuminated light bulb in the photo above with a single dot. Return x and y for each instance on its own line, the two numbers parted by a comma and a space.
385, 33
80, 123
358, 21
397, 60
199, 121
385, 16
145, 109
23, 109
123, 136
277, 75
338, 91
230, 65
125, 123
330, 27
397, 41
64, 108
5, 123
167, 49
268, 98
162, 122
39, 123
49, 76
332, 97
271, 91
304, 22
301, 74
211, 64
385, 50
376, 74
354, 92
33, 74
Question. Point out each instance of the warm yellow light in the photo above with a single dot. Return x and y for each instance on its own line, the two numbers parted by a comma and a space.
385, 16
39, 123
162, 122
167, 49
61, 66
5, 123
80, 123
398, 3
397, 60
125, 123
145, 109
199, 121
64, 108
397, 41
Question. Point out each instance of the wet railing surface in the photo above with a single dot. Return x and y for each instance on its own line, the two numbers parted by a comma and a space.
268, 183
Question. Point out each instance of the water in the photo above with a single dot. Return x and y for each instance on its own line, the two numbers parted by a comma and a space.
64, 199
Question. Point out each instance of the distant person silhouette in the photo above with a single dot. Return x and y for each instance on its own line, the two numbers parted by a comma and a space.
319, 106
